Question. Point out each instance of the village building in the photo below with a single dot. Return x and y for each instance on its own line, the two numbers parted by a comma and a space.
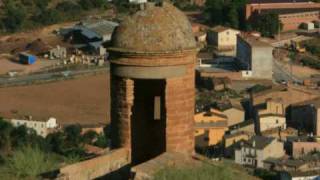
41, 126
312, 82
233, 110
305, 116
305, 164
270, 115
301, 146
254, 151
289, 94
254, 57
232, 141
223, 38
280, 134
210, 128
216, 84
292, 13
247, 126
294, 175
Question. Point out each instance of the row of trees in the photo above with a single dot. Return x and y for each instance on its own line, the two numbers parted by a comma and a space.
229, 13
232, 14
26, 14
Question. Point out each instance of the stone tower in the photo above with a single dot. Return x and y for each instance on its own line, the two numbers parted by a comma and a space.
153, 58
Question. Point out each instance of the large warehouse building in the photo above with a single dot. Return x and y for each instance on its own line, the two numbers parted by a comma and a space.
292, 13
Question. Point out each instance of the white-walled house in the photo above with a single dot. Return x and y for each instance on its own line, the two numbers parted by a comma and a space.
257, 149
42, 127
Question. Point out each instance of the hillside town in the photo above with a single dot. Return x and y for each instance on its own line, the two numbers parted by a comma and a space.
141, 89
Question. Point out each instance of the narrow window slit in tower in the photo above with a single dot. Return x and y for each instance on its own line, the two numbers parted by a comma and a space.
157, 108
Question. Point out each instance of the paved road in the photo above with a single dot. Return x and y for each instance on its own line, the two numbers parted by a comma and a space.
281, 74
47, 76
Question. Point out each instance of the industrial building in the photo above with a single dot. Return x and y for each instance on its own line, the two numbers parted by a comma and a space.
292, 13
90, 35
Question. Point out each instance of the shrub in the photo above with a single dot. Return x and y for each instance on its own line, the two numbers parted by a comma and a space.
29, 162
313, 63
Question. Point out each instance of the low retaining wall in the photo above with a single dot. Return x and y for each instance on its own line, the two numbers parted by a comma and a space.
96, 167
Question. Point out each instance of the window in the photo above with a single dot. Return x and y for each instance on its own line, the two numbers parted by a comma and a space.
157, 108
277, 121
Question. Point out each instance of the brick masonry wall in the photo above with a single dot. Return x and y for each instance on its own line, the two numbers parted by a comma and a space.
96, 167
121, 104
293, 21
180, 101
250, 8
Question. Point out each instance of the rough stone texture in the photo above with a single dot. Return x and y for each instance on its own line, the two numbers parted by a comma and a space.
96, 167
155, 29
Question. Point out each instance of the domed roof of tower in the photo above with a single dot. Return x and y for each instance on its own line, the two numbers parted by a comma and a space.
157, 28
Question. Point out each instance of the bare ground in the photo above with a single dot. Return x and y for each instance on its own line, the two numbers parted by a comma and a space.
7, 64
84, 100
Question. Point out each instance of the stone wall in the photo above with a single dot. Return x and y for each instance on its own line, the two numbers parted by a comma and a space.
96, 167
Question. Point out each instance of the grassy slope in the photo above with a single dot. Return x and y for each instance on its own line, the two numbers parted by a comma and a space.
208, 171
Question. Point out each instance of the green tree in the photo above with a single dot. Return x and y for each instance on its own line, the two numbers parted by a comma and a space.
89, 137
15, 16
86, 4
214, 11
73, 135
5, 138
267, 24
19, 136
47, 17
69, 9
56, 142
232, 16
102, 141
